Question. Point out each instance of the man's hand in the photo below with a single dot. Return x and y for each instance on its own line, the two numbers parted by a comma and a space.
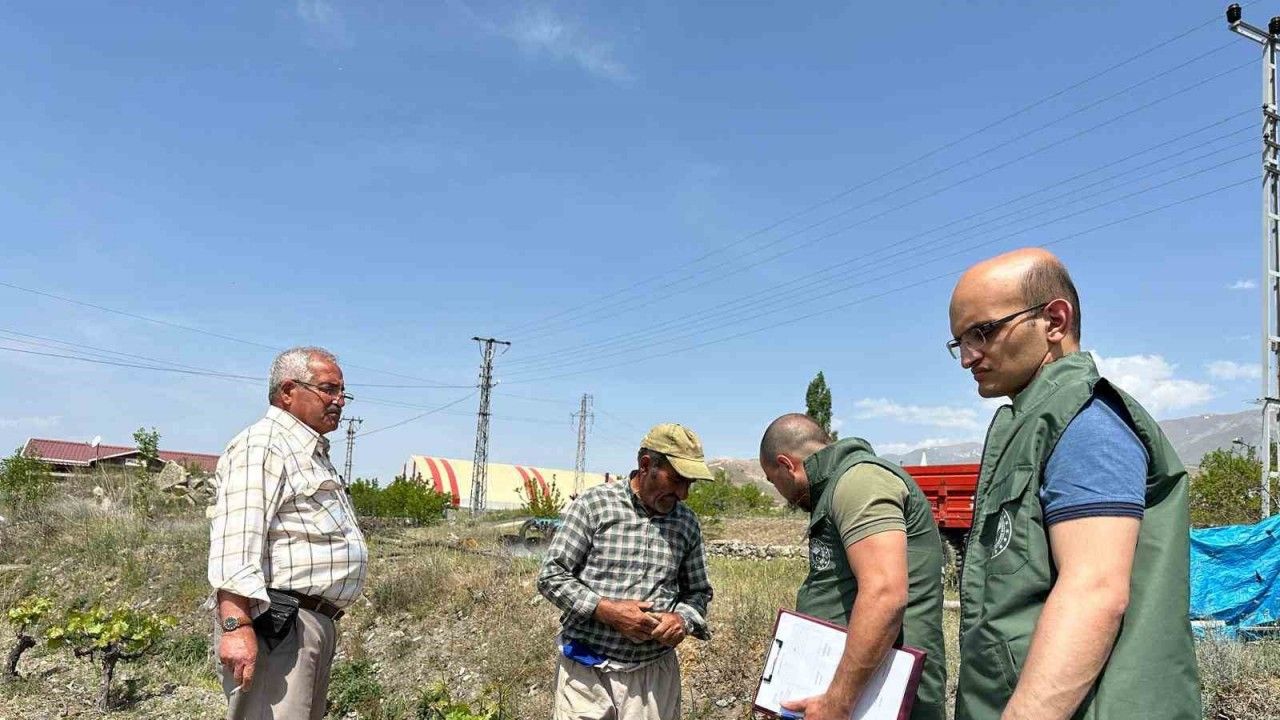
238, 652
818, 707
670, 629
629, 617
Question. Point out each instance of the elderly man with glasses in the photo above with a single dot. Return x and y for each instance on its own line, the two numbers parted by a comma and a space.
285, 553
1074, 594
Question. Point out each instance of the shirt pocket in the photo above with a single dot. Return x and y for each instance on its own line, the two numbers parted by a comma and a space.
1006, 524
320, 506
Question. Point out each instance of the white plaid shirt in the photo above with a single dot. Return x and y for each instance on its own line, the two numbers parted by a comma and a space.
282, 518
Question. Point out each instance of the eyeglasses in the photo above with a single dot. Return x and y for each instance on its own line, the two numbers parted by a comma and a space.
976, 337
329, 391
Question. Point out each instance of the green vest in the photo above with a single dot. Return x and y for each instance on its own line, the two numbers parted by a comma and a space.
829, 591
1009, 570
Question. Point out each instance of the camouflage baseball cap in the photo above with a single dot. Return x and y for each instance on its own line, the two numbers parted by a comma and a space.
682, 448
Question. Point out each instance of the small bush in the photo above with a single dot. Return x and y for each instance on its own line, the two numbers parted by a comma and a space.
188, 650
25, 484
436, 703
401, 499
354, 686
27, 618
1226, 489
108, 637
541, 503
713, 498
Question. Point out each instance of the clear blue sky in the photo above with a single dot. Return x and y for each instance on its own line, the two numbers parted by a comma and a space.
389, 179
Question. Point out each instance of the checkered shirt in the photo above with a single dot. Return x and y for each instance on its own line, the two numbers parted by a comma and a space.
282, 517
611, 547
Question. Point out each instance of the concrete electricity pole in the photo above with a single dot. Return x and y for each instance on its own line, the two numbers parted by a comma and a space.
583, 416
352, 424
480, 464
1270, 240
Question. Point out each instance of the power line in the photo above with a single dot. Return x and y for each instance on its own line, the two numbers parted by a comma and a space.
652, 356
747, 312
681, 284
813, 298
188, 328
803, 284
419, 416
909, 163
206, 373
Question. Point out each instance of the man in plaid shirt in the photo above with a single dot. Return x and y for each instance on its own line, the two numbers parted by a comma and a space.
628, 571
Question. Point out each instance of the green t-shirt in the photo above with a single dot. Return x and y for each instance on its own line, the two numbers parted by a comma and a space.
868, 500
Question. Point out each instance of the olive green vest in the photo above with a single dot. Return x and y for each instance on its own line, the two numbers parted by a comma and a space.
829, 591
1009, 570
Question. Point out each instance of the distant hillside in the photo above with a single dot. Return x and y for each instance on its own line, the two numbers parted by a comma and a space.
1191, 436
742, 472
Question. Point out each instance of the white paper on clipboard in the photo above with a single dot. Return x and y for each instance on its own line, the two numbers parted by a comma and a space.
802, 659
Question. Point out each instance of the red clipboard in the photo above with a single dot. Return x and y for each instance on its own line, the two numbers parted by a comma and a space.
777, 647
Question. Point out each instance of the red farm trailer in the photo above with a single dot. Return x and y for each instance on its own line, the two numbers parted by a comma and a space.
950, 489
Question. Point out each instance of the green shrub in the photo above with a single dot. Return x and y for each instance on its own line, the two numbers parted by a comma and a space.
1226, 489
436, 703
354, 686
25, 484
713, 498
365, 497
108, 637
401, 499
541, 503
26, 618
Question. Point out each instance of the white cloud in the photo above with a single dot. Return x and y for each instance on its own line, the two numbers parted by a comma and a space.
1243, 285
539, 30
1152, 380
933, 415
324, 22
1228, 370
43, 422
927, 444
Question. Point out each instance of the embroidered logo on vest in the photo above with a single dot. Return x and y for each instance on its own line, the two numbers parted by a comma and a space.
820, 557
1004, 533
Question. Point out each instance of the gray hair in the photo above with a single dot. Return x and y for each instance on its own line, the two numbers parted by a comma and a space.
294, 364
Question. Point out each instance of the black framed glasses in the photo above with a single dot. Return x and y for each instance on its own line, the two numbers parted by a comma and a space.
975, 338
329, 391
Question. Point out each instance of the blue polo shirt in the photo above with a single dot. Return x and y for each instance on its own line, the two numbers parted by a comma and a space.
1099, 467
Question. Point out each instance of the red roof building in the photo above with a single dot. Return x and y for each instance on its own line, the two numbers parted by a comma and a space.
67, 455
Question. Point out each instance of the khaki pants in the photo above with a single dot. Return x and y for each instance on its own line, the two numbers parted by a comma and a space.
650, 693
292, 681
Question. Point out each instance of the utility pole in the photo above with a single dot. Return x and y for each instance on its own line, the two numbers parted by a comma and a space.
1270, 240
583, 416
352, 424
480, 464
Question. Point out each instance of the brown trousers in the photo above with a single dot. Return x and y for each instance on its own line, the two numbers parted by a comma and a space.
650, 693
290, 682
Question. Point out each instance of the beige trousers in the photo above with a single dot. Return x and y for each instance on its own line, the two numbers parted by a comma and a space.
650, 693
292, 681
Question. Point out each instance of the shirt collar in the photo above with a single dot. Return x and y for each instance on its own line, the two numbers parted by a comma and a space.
299, 430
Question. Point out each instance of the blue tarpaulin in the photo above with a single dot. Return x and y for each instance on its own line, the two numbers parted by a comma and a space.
1234, 572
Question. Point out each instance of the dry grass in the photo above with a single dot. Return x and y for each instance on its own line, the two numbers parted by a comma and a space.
443, 604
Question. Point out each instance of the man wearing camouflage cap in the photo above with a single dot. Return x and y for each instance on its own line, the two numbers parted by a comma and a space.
627, 571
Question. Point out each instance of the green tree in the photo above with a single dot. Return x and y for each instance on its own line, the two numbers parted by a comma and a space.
148, 444
817, 403
25, 483
1225, 491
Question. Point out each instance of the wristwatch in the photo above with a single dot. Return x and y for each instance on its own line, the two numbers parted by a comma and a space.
232, 623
